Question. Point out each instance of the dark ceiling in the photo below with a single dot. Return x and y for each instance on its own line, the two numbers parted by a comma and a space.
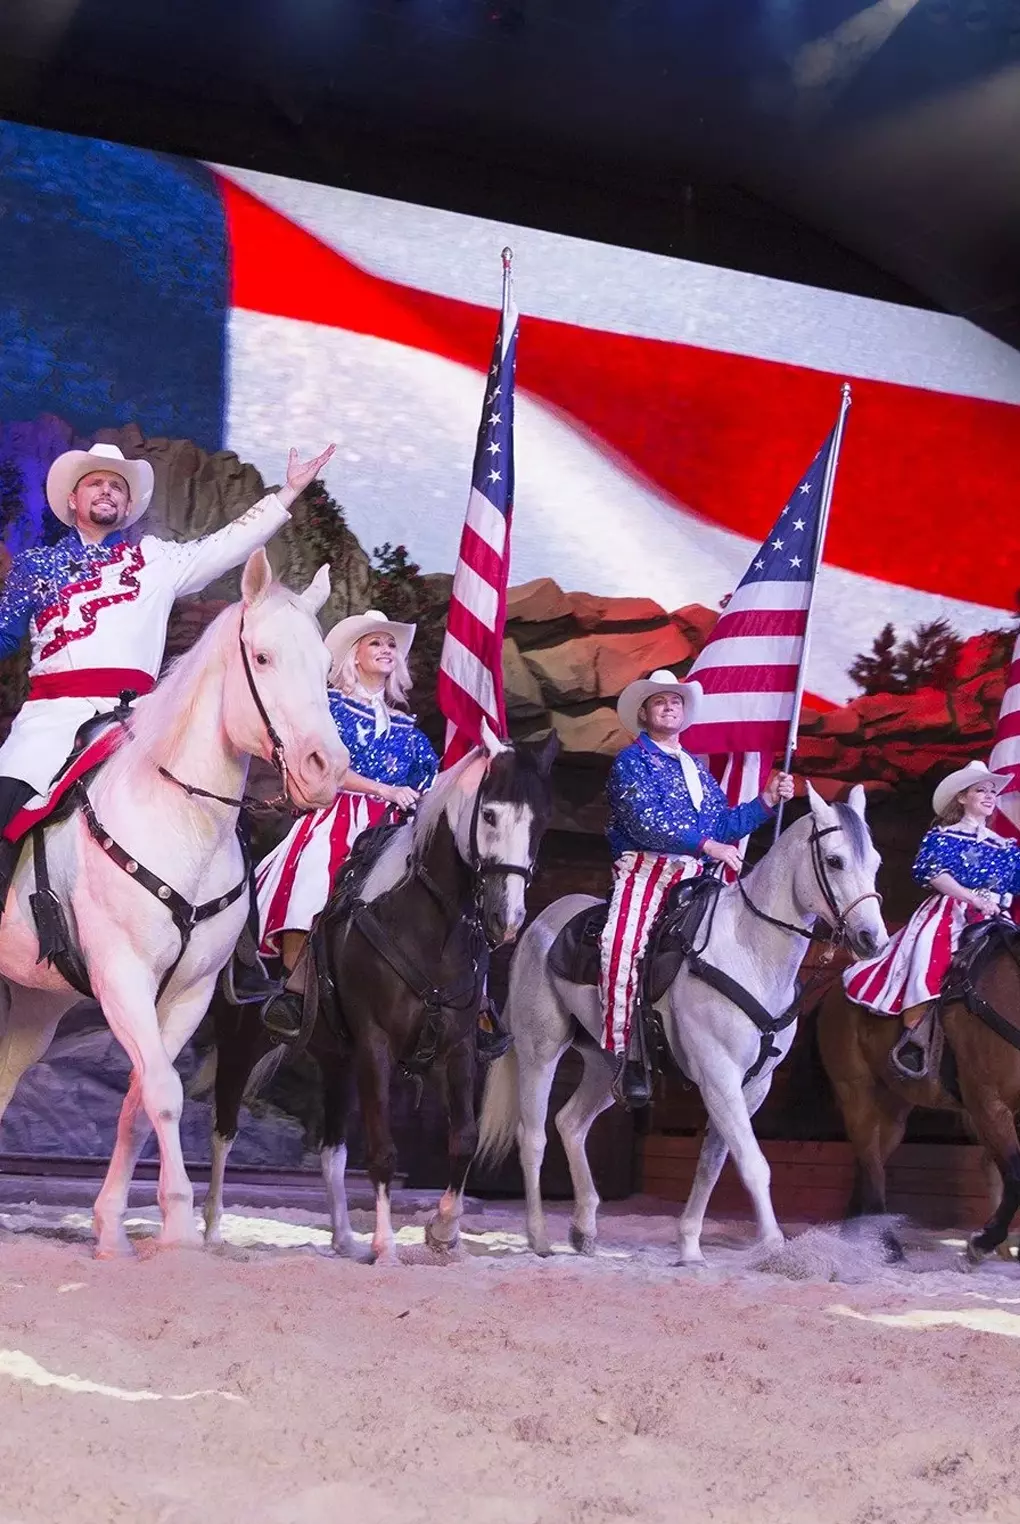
869, 145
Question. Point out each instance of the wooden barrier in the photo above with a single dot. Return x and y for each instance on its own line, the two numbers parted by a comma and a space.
939, 1185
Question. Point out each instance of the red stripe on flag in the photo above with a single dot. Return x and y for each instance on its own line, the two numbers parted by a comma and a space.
755, 623
481, 557
768, 736
747, 679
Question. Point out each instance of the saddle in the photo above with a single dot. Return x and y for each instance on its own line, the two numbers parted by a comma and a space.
575, 954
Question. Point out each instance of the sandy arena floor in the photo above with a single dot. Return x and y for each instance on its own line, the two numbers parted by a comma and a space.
273, 1382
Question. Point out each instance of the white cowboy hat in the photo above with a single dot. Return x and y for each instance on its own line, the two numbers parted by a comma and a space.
68, 469
964, 778
662, 681
346, 633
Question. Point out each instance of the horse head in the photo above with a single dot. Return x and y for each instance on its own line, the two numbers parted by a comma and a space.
275, 703
834, 875
502, 809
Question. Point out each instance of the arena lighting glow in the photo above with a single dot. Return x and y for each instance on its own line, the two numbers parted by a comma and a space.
833, 60
977, 1319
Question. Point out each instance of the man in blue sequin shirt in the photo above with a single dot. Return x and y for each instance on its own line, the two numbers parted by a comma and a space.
667, 815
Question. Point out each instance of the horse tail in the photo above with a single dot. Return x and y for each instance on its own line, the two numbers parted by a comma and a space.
204, 1077
264, 1071
501, 1111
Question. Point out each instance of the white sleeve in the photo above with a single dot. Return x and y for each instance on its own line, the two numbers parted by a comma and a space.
192, 564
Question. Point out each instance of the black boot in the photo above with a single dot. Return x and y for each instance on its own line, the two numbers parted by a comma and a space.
492, 1039
282, 1014
631, 1085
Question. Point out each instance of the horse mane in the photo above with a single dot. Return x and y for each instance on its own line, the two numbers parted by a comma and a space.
163, 717
393, 864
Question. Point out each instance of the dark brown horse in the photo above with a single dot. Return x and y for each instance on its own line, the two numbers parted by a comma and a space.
403, 966
981, 1020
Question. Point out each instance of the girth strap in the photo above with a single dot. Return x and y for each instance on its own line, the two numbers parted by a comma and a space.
767, 1024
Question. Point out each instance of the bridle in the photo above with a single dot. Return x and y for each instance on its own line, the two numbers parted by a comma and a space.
277, 754
481, 868
838, 929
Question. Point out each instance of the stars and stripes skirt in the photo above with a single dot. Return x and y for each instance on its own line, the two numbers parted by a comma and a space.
295, 879
641, 882
910, 970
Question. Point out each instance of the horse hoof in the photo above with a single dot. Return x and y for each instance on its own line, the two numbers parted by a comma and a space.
691, 1262
542, 1248
440, 1245
975, 1253
582, 1243
894, 1253
119, 1247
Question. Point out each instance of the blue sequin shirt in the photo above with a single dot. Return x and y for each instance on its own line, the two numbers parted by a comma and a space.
989, 862
403, 756
651, 809
37, 575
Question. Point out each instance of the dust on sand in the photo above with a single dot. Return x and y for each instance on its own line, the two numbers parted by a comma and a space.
501, 1389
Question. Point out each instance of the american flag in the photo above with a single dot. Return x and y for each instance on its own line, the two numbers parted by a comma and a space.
470, 683
1005, 756
749, 667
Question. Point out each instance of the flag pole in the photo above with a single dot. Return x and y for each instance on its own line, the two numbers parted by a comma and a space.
508, 259
828, 483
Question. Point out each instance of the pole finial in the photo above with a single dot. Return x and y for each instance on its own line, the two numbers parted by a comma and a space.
507, 256
845, 390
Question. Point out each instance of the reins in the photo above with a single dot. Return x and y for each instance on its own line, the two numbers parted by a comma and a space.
838, 928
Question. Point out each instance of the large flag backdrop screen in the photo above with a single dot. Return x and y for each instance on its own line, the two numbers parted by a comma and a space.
665, 409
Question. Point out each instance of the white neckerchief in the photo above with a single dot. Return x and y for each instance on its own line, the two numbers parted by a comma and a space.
692, 777
377, 703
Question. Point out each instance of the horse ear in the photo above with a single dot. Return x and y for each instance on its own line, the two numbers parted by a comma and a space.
823, 813
546, 753
490, 740
257, 577
857, 799
317, 591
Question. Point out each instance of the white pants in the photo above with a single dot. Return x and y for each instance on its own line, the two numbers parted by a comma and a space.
42, 736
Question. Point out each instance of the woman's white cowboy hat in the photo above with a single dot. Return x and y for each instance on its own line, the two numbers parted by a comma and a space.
964, 778
68, 469
662, 681
346, 633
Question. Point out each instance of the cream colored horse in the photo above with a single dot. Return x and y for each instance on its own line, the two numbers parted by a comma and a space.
202, 724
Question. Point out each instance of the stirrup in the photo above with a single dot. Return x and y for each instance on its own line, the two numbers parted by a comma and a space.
292, 1003
904, 1045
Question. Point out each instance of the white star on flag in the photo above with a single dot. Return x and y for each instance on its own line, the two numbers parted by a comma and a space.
795, 560
495, 476
798, 523
777, 544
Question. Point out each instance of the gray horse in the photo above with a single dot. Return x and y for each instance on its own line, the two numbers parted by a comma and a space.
822, 867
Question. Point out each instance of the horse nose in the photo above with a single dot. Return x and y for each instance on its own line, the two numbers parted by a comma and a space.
867, 943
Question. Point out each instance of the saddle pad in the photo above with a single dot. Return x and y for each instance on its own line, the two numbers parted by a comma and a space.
574, 954
44, 806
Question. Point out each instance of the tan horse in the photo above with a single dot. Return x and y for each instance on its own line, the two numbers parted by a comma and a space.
855, 1046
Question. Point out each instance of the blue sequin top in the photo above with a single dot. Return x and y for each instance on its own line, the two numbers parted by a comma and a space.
403, 756
651, 809
37, 575
990, 862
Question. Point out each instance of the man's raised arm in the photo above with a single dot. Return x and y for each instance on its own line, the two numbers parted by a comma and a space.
199, 562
